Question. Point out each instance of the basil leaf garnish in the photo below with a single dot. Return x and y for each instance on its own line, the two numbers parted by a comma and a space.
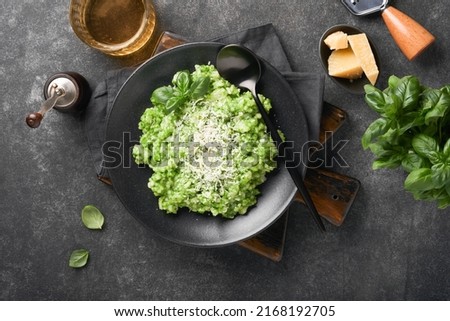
78, 258
182, 80
161, 95
92, 218
200, 87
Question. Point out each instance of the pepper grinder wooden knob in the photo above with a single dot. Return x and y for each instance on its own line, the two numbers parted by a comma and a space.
411, 37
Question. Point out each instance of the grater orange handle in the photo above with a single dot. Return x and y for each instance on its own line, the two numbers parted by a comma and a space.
411, 37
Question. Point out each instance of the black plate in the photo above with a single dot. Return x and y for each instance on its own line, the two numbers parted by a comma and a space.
130, 182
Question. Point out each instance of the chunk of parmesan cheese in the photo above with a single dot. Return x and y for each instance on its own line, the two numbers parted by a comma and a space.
361, 47
344, 64
337, 40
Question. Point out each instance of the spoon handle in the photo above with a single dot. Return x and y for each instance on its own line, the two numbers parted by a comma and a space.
288, 155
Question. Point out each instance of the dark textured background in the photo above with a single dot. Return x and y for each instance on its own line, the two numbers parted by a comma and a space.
389, 248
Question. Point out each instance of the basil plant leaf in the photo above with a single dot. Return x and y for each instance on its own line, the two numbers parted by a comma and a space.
381, 149
446, 89
393, 160
393, 107
410, 120
393, 82
440, 175
375, 98
435, 158
78, 258
446, 150
432, 97
425, 145
444, 203
419, 180
431, 130
439, 110
431, 194
408, 90
92, 218
376, 129
412, 161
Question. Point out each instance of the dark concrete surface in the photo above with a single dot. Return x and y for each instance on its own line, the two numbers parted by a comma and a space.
389, 248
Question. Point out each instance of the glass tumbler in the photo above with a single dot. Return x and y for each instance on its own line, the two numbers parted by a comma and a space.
115, 27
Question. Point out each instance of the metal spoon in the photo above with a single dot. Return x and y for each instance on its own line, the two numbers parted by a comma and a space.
242, 68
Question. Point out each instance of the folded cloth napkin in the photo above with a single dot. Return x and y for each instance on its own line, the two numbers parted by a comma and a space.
262, 40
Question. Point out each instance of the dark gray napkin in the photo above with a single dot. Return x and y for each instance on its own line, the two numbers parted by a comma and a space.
262, 40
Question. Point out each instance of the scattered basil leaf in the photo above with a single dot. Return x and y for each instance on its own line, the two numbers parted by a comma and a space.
92, 218
78, 258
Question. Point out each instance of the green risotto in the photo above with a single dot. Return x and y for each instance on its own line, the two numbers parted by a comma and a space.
206, 143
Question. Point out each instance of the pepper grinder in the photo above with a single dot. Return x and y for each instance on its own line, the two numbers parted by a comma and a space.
66, 92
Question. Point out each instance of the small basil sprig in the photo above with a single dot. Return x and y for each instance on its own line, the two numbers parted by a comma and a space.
183, 88
412, 132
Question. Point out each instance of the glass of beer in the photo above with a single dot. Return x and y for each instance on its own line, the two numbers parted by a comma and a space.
115, 27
